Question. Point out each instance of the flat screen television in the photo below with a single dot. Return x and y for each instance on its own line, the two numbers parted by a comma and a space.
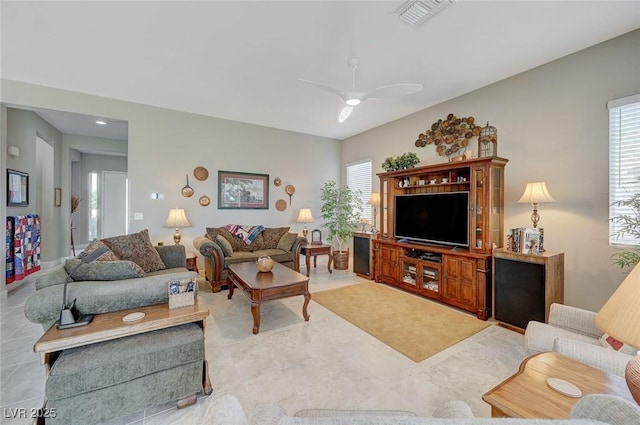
439, 218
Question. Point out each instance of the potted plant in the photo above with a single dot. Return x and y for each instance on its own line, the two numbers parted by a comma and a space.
341, 210
402, 162
629, 226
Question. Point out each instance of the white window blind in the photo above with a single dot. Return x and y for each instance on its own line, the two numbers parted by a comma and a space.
359, 178
624, 160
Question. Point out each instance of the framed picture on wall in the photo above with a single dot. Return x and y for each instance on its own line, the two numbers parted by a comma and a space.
243, 190
17, 188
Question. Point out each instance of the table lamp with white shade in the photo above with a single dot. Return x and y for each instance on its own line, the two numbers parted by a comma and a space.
536, 193
374, 201
177, 218
620, 318
305, 217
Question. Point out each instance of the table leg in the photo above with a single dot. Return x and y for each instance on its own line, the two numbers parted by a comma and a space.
329, 263
308, 261
315, 261
230, 285
255, 311
307, 298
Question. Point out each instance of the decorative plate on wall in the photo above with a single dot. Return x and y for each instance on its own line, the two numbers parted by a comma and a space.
201, 173
281, 205
204, 201
277, 181
290, 190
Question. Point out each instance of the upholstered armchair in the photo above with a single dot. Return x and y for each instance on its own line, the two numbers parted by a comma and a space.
572, 332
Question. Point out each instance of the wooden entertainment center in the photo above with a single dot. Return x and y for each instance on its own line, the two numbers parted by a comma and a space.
456, 275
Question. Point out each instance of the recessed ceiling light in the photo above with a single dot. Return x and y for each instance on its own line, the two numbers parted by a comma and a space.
99, 122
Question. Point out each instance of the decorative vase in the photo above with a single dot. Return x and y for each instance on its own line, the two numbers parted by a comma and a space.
264, 264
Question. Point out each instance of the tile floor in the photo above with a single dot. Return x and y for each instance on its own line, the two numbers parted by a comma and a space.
323, 363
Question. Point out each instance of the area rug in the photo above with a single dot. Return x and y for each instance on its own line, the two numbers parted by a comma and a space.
416, 327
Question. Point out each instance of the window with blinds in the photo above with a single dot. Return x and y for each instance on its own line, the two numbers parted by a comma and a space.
624, 161
359, 178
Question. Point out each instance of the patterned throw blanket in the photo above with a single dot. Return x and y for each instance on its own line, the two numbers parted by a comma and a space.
246, 233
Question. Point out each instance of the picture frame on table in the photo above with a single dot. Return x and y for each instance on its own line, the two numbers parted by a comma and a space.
17, 188
240, 190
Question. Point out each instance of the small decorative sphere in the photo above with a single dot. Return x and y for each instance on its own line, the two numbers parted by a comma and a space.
264, 264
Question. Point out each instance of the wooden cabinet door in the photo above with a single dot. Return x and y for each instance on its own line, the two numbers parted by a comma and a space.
460, 280
388, 264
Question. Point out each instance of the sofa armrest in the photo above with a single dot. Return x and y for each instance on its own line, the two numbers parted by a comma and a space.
295, 249
93, 297
602, 358
606, 408
455, 409
575, 319
172, 255
212, 254
55, 276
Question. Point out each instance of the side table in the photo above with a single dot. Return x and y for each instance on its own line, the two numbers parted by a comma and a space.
310, 250
192, 261
527, 395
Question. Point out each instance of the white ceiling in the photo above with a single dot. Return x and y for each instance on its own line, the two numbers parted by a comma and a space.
242, 60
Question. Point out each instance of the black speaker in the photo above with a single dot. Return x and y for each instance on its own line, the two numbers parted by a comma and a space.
519, 292
361, 248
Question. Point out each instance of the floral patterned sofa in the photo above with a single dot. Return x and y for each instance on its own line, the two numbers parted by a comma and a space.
222, 246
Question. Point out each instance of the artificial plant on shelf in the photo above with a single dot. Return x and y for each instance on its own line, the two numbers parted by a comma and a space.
402, 162
341, 210
628, 227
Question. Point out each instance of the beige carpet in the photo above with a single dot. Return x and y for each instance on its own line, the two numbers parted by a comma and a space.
414, 326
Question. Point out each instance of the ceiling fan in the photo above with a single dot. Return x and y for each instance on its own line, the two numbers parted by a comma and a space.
353, 97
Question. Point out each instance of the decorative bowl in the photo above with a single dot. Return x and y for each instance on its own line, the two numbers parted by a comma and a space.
264, 264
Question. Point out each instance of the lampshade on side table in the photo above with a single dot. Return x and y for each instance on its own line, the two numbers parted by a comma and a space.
177, 218
305, 217
619, 317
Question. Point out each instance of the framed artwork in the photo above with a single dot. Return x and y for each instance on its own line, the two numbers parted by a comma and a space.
239, 190
57, 197
17, 188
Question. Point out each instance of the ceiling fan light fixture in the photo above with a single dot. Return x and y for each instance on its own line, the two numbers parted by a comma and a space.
353, 101
344, 113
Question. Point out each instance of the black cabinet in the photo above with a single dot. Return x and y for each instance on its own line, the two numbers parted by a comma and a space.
525, 286
363, 254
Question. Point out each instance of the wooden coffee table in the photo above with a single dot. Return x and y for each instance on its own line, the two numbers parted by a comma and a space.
527, 395
280, 282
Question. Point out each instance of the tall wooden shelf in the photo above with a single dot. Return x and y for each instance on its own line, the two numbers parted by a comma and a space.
459, 276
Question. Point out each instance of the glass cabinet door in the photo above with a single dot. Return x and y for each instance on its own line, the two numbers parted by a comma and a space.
410, 272
479, 220
430, 278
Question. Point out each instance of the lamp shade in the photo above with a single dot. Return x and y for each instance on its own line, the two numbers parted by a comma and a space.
374, 199
536, 193
177, 218
305, 216
620, 315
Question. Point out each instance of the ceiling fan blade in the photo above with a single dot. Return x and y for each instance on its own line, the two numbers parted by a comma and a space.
344, 113
394, 90
340, 93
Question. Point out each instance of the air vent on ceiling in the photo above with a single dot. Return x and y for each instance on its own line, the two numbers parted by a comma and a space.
417, 12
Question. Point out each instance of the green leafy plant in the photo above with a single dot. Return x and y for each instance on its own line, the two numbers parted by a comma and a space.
628, 225
404, 161
341, 210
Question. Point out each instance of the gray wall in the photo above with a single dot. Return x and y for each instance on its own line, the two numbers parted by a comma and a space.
165, 145
22, 128
552, 125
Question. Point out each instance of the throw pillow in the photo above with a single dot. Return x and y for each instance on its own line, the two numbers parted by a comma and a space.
272, 236
102, 270
608, 341
287, 240
97, 244
224, 244
136, 247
